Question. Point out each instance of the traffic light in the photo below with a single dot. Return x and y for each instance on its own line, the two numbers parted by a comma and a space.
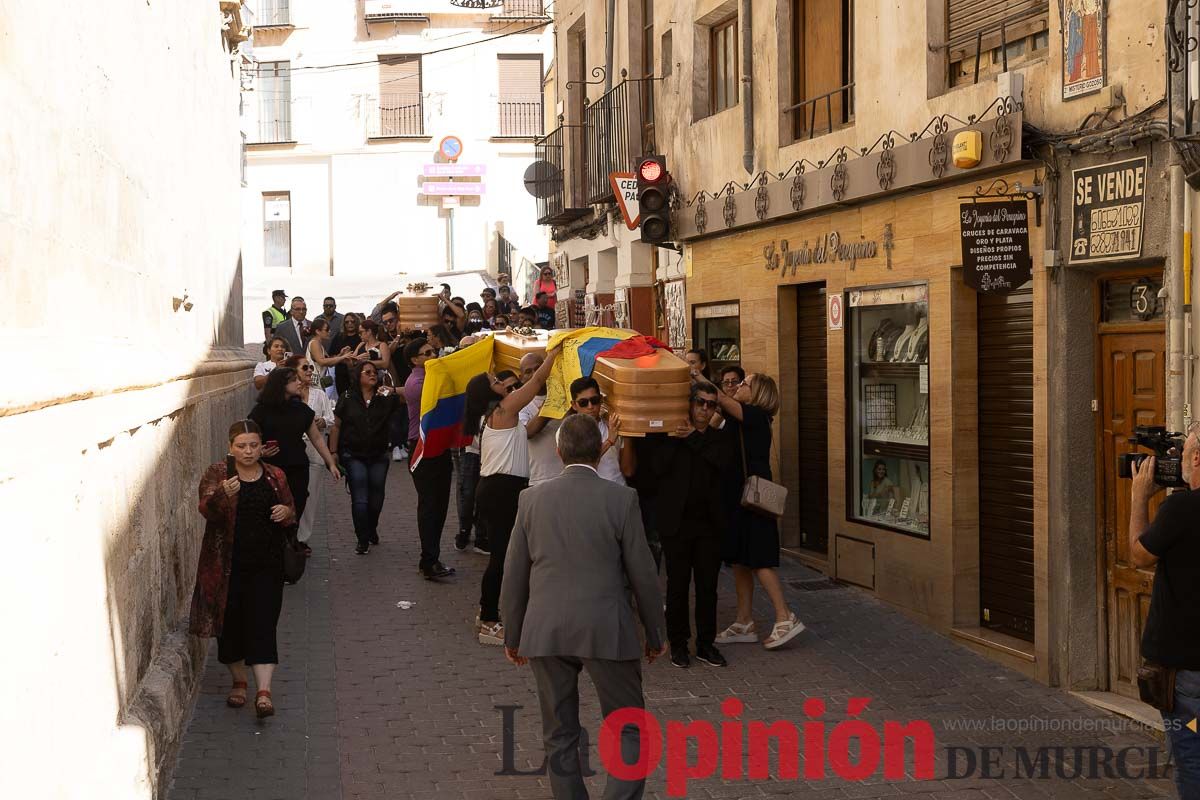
653, 208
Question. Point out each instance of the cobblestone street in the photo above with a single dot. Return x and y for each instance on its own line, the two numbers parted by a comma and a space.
378, 701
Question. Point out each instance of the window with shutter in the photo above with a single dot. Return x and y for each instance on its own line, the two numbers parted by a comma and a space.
821, 53
986, 36
401, 112
519, 104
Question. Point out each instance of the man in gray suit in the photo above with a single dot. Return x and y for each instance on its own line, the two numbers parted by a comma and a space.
294, 329
576, 550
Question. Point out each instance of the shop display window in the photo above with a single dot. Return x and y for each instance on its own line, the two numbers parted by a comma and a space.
888, 386
716, 329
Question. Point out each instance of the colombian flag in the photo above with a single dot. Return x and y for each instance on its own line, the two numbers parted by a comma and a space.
444, 399
580, 347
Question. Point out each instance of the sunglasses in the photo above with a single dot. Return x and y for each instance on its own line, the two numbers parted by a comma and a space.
706, 403
308, 368
426, 353
584, 402
730, 382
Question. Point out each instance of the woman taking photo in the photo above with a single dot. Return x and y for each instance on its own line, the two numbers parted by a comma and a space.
503, 473
323, 363
322, 407
276, 352
284, 419
751, 544
239, 579
372, 348
360, 436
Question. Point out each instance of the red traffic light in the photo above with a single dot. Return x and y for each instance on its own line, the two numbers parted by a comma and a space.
650, 170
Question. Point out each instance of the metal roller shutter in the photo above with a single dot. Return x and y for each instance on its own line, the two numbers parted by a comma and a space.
1006, 462
965, 19
811, 404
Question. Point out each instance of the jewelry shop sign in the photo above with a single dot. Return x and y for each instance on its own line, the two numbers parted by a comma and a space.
1108, 203
995, 245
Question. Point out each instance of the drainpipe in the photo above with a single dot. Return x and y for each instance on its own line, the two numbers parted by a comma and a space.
1173, 278
747, 28
608, 45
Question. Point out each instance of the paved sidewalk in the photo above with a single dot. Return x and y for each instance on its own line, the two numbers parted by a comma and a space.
377, 701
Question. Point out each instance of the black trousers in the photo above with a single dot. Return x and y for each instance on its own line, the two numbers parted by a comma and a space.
496, 508
297, 478
432, 479
252, 609
618, 685
687, 558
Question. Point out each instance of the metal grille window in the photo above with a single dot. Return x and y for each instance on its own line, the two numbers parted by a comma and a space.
274, 90
272, 14
520, 100
401, 111
723, 62
986, 37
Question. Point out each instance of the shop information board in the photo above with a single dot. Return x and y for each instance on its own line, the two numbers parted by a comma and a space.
1107, 207
995, 245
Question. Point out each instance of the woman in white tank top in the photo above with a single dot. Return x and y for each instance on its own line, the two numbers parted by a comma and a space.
496, 403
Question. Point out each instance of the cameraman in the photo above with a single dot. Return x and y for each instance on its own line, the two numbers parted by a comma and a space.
1171, 640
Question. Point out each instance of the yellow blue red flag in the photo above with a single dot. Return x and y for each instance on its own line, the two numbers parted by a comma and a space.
444, 399
580, 346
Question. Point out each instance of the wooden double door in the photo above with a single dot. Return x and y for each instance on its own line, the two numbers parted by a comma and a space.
1132, 392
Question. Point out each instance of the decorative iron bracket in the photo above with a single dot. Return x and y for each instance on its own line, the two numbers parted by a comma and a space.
1017, 191
597, 72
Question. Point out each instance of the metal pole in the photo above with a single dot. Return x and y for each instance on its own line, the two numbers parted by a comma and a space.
450, 239
1173, 280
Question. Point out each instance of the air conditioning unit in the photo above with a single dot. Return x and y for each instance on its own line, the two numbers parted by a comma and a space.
392, 11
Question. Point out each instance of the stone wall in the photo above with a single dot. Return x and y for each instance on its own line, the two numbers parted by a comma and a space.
119, 207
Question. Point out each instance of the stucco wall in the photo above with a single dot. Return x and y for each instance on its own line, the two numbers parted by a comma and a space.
119, 252
356, 204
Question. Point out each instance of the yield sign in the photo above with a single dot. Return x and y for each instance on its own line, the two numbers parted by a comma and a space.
624, 186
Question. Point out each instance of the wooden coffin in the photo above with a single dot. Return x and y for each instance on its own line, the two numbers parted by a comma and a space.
650, 393
420, 313
510, 349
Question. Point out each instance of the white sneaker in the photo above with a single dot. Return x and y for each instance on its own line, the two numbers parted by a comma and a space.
784, 632
738, 633
491, 633
397, 454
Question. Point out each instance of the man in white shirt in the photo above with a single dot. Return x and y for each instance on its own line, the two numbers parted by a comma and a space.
617, 462
544, 462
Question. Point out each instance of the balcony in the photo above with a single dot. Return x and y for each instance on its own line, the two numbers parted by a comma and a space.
823, 114
396, 115
522, 9
612, 136
520, 116
274, 130
273, 14
559, 195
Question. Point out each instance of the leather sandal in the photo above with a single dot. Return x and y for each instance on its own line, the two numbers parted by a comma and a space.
237, 700
262, 703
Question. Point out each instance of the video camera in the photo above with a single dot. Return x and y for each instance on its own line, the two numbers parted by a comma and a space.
1168, 468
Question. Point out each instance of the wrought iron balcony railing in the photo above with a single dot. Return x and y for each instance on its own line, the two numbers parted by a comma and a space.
520, 115
272, 14
557, 187
523, 9
396, 114
273, 130
613, 136
824, 113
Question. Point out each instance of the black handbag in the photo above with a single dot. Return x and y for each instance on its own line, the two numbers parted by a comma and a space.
294, 559
1156, 686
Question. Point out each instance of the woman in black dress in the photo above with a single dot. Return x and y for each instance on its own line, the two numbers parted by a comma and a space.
348, 336
239, 577
751, 544
285, 418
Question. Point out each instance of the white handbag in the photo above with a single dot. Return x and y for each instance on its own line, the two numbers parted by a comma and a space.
760, 494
